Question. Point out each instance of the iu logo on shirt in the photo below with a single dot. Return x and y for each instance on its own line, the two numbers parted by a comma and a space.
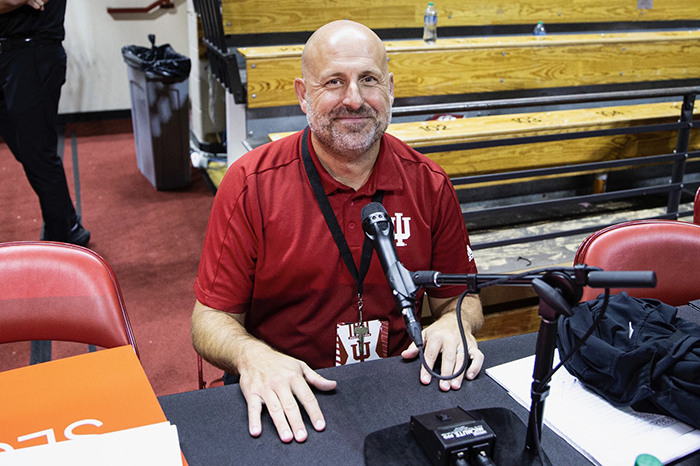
402, 228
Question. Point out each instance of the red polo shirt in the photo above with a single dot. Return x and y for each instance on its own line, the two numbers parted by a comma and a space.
269, 253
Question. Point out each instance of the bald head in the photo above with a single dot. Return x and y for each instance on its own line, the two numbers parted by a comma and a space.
338, 36
346, 90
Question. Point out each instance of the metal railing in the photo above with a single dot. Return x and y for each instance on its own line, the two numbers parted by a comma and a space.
672, 186
224, 65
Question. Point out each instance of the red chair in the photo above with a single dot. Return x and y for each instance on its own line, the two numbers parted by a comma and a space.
201, 383
696, 208
62, 292
669, 248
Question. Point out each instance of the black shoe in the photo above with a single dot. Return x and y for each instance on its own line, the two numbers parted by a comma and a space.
78, 235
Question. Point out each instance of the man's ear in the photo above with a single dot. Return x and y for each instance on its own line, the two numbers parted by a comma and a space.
391, 88
300, 90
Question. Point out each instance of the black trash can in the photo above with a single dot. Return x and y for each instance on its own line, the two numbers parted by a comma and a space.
158, 82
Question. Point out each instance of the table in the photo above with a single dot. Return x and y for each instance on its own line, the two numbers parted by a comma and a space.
213, 423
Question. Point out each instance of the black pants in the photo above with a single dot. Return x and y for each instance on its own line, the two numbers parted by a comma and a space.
30, 87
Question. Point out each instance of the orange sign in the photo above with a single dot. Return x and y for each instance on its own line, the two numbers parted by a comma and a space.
93, 393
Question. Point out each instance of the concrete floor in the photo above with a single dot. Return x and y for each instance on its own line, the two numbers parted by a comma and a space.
558, 251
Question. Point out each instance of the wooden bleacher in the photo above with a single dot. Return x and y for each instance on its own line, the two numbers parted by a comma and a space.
462, 66
252, 17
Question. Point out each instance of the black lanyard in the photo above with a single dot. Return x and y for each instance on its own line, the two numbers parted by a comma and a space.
332, 221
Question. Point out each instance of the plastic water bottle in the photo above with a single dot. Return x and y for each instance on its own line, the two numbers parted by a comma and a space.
430, 24
539, 29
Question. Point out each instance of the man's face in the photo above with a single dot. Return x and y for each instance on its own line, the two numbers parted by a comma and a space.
348, 96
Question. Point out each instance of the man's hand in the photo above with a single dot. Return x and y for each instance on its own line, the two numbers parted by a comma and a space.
37, 4
279, 382
266, 376
443, 338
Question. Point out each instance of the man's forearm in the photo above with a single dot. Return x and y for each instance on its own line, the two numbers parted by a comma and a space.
472, 315
221, 339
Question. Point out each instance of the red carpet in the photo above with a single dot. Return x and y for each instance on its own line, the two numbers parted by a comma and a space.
152, 239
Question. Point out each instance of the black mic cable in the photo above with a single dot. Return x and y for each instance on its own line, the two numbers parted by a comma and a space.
462, 335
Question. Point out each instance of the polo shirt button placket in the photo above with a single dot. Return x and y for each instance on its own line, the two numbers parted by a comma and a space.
352, 214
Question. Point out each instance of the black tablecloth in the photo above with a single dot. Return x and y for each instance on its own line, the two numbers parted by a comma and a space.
213, 423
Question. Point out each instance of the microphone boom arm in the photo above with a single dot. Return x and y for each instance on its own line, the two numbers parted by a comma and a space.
581, 274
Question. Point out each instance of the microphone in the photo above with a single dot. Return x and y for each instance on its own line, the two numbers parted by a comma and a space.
377, 226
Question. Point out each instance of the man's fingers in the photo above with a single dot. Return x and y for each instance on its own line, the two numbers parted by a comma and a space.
460, 355
449, 365
292, 413
254, 416
313, 378
430, 353
447, 368
477, 358
36, 4
279, 416
410, 352
308, 400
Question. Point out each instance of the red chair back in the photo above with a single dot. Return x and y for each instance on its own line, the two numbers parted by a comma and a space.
696, 208
669, 248
62, 292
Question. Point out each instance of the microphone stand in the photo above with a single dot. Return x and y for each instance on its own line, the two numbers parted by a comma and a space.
559, 290
550, 308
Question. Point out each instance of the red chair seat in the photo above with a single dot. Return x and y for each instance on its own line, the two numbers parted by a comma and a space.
669, 248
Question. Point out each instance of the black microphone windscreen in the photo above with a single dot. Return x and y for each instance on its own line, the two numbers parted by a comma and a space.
372, 208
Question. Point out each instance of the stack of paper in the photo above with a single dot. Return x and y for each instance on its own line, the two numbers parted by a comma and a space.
140, 446
603, 433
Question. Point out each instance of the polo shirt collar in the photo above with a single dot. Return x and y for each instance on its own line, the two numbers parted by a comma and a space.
385, 174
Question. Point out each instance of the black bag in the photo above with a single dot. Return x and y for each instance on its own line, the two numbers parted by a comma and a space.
641, 355
159, 63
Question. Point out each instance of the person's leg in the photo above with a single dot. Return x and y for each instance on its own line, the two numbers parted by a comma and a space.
32, 90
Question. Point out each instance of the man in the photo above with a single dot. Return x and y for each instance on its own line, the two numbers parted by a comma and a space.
275, 295
32, 71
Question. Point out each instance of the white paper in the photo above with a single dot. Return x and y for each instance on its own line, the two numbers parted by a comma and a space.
605, 434
140, 446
